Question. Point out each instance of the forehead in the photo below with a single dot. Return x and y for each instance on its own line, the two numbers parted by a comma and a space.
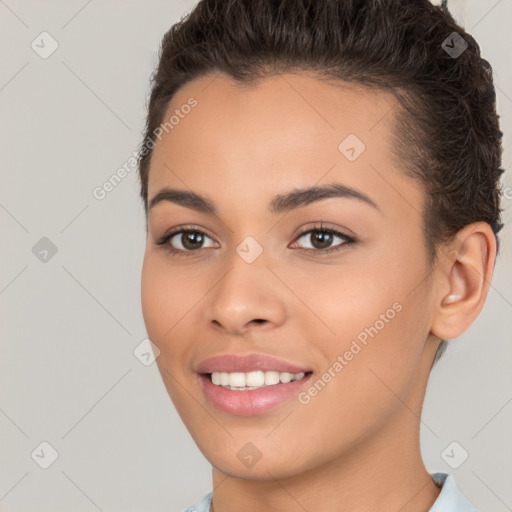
288, 130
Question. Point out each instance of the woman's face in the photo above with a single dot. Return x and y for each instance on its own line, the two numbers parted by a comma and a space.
251, 279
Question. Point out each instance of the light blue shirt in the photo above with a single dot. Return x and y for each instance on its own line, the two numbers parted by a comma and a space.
450, 498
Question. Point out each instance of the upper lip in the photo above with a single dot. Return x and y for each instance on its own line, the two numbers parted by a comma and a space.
246, 363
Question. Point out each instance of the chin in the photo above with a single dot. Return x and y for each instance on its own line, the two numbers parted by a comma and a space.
261, 471
259, 461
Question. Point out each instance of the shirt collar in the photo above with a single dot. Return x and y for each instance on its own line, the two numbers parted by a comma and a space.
450, 498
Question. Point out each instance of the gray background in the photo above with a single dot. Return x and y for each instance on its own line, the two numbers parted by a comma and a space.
69, 325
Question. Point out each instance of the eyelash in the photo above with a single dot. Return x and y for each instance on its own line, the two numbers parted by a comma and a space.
348, 240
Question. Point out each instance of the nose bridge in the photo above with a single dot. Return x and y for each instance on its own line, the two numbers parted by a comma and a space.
246, 291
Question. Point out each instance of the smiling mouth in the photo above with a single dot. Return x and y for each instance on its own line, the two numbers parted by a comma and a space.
258, 379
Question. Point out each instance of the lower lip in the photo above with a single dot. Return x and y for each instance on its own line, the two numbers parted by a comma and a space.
254, 401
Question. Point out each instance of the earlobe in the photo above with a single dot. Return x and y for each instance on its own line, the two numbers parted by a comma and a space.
463, 280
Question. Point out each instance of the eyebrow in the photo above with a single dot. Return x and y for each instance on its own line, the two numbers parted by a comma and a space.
280, 204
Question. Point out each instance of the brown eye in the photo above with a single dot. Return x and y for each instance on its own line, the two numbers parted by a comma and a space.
321, 240
191, 240
188, 240
185, 241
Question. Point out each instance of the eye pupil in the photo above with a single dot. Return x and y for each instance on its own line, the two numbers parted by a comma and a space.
324, 239
192, 240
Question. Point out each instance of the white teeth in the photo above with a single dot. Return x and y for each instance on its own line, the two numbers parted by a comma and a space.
271, 378
237, 380
285, 377
253, 380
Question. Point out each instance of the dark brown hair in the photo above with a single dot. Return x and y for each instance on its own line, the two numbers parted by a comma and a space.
447, 132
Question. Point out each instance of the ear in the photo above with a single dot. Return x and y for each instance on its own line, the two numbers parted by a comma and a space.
464, 274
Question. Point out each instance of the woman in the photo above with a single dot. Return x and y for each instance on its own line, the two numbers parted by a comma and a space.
320, 180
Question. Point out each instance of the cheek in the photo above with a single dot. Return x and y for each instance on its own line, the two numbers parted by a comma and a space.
165, 297
348, 300
165, 300
152, 292
380, 318
366, 389
169, 296
161, 310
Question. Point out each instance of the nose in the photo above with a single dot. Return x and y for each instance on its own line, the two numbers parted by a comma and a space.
247, 297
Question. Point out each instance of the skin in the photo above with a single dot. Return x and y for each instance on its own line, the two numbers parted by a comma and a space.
357, 439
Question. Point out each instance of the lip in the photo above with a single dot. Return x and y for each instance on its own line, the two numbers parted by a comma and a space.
254, 401
246, 363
